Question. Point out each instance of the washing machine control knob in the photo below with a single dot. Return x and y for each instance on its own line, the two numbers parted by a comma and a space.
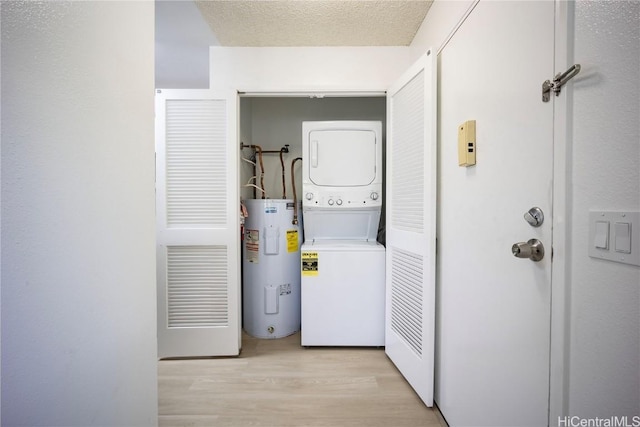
374, 196
309, 196
330, 201
339, 202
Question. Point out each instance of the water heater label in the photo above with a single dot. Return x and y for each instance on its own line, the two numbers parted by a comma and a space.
292, 241
309, 263
271, 209
252, 245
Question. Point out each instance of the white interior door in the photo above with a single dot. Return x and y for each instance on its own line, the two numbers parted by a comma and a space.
411, 225
197, 223
493, 308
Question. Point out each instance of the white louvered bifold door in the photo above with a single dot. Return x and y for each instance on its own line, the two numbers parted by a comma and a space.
411, 225
197, 224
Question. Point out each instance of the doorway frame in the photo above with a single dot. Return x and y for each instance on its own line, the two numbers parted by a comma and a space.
284, 93
561, 250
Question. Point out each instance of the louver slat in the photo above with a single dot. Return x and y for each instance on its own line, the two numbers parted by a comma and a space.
196, 163
407, 191
197, 288
406, 297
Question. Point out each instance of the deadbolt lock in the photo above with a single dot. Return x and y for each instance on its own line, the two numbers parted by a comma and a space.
533, 249
534, 217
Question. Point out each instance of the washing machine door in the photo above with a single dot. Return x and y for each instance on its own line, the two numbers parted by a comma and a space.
342, 158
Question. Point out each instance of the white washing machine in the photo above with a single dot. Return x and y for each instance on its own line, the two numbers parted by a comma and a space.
342, 293
343, 266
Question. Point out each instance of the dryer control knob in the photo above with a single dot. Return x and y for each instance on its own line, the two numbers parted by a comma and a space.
330, 201
339, 202
309, 196
374, 196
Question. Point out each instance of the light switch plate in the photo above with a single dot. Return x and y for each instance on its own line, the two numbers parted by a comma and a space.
616, 241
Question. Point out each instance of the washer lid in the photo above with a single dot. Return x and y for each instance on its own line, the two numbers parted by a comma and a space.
342, 158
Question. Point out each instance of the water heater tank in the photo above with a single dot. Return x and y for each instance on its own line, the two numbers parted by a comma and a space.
271, 269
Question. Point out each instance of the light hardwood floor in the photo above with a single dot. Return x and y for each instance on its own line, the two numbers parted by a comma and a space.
278, 383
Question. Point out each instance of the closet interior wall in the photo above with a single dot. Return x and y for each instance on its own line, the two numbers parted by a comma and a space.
273, 122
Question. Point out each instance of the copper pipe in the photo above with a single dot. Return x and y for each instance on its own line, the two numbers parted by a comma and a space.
255, 172
258, 149
259, 152
284, 185
295, 197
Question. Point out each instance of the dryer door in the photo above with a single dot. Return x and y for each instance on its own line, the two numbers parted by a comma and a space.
342, 158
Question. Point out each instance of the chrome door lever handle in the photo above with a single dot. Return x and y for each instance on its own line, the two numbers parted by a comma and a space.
532, 249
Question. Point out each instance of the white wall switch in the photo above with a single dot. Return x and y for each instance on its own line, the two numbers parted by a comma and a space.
622, 232
615, 236
601, 240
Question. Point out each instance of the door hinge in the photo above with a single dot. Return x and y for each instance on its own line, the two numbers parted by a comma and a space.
558, 81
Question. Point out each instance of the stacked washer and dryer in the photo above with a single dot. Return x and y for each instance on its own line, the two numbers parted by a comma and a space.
343, 265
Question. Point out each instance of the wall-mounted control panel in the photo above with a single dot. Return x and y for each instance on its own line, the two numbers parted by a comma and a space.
467, 143
615, 236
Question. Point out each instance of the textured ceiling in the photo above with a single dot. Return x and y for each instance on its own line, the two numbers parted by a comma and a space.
314, 22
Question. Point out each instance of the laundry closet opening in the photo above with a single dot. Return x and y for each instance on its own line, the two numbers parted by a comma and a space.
271, 184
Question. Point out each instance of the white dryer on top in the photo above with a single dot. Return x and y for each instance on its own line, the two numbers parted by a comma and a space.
342, 179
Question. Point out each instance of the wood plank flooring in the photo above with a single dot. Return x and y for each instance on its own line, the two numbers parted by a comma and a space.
278, 383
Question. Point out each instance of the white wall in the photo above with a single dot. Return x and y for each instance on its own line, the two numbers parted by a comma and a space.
604, 174
442, 18
78, 237
182, 41
305, 69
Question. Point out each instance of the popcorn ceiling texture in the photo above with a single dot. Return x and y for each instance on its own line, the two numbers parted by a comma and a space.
314, 23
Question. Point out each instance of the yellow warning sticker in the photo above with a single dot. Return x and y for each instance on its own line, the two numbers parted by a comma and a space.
292, 241
309, 263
